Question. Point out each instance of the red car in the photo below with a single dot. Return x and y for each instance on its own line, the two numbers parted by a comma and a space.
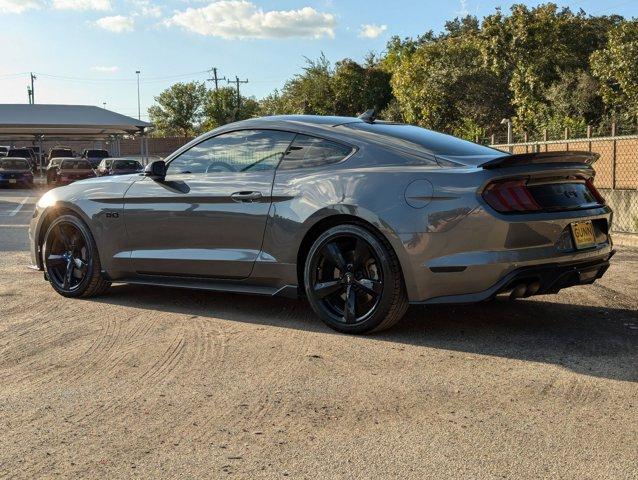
72, 169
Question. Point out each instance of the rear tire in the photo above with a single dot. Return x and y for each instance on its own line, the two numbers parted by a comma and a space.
71, 260
353, 280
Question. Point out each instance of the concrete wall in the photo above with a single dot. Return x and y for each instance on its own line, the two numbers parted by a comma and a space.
624, 203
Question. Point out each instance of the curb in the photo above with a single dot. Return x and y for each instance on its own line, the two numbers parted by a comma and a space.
625, 239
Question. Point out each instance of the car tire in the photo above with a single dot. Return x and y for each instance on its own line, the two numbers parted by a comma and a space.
350, 260
69, 244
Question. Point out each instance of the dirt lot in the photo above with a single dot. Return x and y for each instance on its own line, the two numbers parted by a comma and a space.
160, 383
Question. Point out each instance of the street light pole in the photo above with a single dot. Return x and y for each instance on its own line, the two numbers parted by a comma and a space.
510, 134
139, 109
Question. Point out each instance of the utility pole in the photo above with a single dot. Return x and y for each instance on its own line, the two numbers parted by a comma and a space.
139, 108
237, 82
215, 78
33, 77
29, 93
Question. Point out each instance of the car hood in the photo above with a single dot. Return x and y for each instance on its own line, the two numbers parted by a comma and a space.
98, 189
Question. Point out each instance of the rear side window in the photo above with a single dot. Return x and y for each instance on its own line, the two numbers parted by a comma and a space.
75, 165
308, 152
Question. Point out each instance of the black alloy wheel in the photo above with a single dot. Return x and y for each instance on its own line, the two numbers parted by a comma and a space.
353, 280
70, 259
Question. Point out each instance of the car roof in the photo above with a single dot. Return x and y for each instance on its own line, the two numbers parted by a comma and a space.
13, 158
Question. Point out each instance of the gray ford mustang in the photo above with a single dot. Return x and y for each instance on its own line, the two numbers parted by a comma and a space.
359, 216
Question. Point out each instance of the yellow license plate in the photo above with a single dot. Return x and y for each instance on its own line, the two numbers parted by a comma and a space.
584, 236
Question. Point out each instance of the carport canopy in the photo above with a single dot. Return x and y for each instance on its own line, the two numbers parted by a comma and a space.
65, 122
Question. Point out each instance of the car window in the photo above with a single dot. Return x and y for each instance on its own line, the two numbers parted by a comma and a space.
239, 151
308, 151
427, 141
61, 153
96, 153
127, 165
75, 165
13, 164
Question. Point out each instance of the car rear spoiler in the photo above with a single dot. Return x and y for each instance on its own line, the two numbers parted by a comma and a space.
515, 160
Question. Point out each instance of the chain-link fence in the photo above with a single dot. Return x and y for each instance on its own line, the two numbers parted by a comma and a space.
616, 171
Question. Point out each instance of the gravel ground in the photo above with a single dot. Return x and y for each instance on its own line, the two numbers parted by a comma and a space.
161, 383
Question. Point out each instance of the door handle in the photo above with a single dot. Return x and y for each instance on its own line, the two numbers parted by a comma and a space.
246, 196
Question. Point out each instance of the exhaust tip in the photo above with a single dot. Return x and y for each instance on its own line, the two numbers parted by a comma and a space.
518, 291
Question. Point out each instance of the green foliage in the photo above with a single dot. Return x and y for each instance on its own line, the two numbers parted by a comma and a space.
616, 66
222, 107
179, 109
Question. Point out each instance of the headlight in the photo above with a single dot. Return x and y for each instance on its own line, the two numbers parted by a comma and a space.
47, 200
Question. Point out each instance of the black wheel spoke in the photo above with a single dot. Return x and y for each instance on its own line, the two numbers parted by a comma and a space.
361, 253
369, 286
334, 255
324, 289
54, 260
350, 308
68, 274
64, 238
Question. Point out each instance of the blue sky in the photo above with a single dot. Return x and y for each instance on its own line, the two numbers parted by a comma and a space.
87, 51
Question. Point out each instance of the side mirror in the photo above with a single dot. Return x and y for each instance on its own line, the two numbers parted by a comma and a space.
156, 170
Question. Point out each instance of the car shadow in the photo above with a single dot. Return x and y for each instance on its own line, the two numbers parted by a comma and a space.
591, 340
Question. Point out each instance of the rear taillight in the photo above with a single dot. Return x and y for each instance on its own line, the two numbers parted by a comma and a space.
594, 191
510, 196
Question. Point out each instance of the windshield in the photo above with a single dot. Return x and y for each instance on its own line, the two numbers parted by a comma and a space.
427, 141
13, 164
75, 165
127, 165
97, 153
20, 152
60, 152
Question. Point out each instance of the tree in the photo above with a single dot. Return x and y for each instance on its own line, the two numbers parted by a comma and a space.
616, 66
444, 85
222, 107
179, 109
358, 88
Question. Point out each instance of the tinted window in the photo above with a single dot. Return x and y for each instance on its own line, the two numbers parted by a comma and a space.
240, 151
417, 138
20, 152
97, 153
10, 164
75, 165
60, 152
308, 151
127, 165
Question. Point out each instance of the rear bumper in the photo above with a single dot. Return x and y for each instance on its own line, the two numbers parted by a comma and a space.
549, 278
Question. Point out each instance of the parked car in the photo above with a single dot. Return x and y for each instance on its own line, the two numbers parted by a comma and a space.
15, 171
73, 169
4, 149
119, 166
95, 156
361, 217
26, 153
103, 168
52, 169
59, 152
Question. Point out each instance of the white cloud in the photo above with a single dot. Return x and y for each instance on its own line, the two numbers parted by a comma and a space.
243, 19
116, 23
372, 30
19, 6
104, 69
146, 8
102, 5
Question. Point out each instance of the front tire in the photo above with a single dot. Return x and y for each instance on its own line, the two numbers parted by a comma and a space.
71, 259
353, 280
